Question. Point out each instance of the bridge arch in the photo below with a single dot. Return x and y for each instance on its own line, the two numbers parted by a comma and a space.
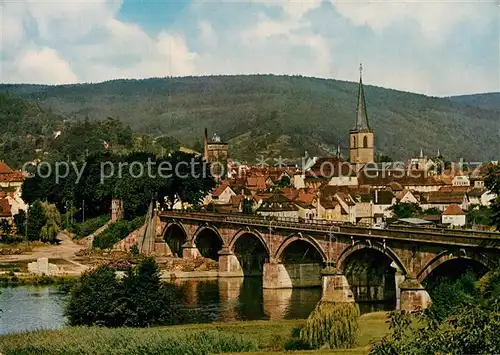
208, 241
303, 238
344, 256
251, 250
175, 235
251, 232
372, 271
448, 256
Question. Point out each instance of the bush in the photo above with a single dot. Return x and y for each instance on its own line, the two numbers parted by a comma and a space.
89, 226
134, 250
139, 299
472, 327
116, 232
331, 325
447, 295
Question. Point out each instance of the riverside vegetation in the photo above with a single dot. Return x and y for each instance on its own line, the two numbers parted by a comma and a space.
465, 318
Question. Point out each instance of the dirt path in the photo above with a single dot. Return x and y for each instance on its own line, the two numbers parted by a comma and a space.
65, 250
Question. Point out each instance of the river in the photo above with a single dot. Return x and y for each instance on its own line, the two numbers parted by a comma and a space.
29, 307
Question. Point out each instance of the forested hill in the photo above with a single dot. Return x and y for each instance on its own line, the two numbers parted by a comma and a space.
280, 115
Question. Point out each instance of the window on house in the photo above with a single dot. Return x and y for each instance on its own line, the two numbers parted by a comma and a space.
354, 142
365, 142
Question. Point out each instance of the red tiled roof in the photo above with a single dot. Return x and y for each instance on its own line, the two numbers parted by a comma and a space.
453, 210
445, 197
256, 181
219, 190
4, 168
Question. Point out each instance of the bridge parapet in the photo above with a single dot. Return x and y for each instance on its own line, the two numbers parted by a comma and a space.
462, 238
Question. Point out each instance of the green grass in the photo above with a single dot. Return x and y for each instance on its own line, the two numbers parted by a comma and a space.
262, 336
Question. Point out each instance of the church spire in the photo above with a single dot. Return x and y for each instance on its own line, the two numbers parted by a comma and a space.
362, 116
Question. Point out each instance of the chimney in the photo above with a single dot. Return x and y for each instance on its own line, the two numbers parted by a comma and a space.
205, 146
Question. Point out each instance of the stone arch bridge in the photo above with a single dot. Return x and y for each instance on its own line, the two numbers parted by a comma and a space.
350, 262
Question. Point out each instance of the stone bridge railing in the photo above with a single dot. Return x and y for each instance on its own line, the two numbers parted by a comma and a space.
459, 238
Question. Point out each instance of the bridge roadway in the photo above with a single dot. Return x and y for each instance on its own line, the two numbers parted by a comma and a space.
413, 252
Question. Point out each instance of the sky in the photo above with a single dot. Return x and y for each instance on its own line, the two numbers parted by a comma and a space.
437, 48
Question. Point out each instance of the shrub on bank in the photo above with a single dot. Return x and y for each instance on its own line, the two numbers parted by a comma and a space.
116, 232
139, 299
470, 327
89, 226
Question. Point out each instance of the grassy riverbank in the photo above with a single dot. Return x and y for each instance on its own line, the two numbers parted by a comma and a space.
260, 337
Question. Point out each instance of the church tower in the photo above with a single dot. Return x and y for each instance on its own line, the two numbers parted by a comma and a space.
361, 139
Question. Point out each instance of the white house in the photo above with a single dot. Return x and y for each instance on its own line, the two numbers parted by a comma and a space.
460, 180
454, 216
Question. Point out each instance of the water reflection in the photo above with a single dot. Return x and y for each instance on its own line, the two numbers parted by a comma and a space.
223, 300
233, 299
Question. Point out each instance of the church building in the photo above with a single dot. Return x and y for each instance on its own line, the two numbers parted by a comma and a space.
361, 138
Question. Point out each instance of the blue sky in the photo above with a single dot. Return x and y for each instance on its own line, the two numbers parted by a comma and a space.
435, 48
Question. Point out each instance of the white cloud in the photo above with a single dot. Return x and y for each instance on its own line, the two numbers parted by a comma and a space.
435, 18
411, 45
207, 33
44, 66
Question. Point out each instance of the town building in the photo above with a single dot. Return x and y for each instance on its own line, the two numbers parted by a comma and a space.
361, 137
454, 216
216, 154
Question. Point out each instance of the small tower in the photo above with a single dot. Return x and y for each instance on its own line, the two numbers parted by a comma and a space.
361, 138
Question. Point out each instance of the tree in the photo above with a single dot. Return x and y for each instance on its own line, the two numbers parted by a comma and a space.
492, 183
147, 300
36, 220
96, 299
405, 209
432, 210
20, 222
52, 226
139, 299
478, 215
247, 205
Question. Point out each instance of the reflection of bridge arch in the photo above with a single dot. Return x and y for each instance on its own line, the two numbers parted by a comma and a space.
446, 256
299, 237
208, 241
174, 234
253, 233
344, 256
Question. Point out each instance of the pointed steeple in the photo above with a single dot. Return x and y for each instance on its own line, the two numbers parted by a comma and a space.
421, 153
362, 116
438, 153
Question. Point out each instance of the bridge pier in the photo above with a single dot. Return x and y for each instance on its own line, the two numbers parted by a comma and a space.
229, 266
190, 251
335, 287
413, 296
278, 275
